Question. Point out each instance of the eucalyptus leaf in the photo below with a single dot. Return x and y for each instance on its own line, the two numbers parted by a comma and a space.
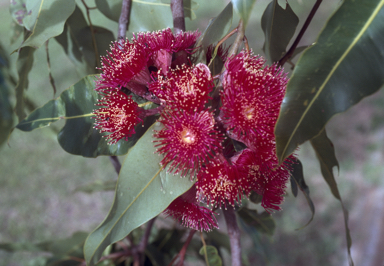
211, 253
298, 178
24, 66
18, 11
77, 42
244, 9
325, 153
279, 26
344, 65
78, 136
143, 191
217, 28
48, 18
262, 222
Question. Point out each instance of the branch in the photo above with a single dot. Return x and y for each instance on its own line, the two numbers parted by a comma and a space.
181, 254
234, 235
124, 19
51, 80
178, 16
291, 50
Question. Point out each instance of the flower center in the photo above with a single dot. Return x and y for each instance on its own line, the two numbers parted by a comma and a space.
187, 136
248, 112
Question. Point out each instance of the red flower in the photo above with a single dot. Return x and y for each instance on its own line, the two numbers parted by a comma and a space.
126, 62
252, 96
162, 44
264, 176
187, 139
187, 210
119, 116
184, 88
219, 182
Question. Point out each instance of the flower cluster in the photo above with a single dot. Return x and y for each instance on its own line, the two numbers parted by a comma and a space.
196, 140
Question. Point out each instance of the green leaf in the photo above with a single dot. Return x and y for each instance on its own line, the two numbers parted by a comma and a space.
298, 178
279, 26
97, 186
212, 255
325, 153
18, 11
262, 222
243, 8
6, 111
77, 42
145, 15
217, 28
345, 65
143, 191
78, 136
24, 65
48, 18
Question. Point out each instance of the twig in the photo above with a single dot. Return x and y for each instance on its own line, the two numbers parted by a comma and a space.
291, 50
181, 254
205, 248
234, 235
124, 19
51, 80
92, 34
116, 163
144, 240
178, 16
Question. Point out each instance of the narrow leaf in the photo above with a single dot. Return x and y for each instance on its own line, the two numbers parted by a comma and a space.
325, 153
244, 9
298, 178
212, 255
279, 26
262, 222
143, 191
217, 28
78, 136
24, 65
344, 65
51, 16
6, 112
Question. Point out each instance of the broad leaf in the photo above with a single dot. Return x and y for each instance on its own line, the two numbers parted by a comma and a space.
244, 9
78, 136
18, 11
48, 18
325, 153
298, 178
342, 67
262, 222
143, 191
279, 26
211, 255
24, 65
77, 42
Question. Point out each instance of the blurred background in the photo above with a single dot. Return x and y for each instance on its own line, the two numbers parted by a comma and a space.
38, 180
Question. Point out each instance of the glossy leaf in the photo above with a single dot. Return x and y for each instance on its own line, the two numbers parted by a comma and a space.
77, 42
342, 67
97, 186
325, 153
46, 25
244, 9
143, 191
217, 28
24, 66
78, 136
212, 255
262, 222
298, 177
279, 26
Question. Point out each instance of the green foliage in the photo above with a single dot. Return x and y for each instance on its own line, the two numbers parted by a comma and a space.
211, 254
243, 8
262, 222
345, 64
279, 26
143, 191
